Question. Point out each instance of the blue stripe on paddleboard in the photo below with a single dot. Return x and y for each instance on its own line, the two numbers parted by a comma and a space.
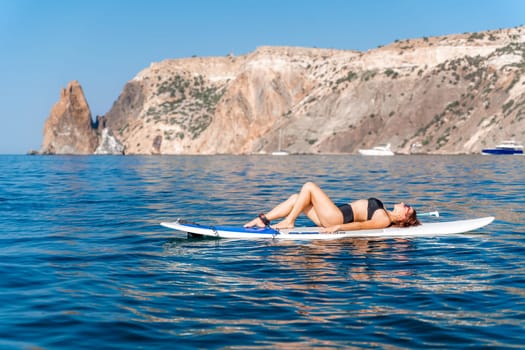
263, 230
304, 233
249, 230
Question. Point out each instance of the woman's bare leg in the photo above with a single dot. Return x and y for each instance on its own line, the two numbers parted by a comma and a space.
316, 204
280, 211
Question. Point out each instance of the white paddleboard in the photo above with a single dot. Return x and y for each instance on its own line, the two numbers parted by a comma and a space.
306, 233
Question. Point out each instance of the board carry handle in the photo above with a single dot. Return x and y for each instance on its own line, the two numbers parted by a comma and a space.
430, 213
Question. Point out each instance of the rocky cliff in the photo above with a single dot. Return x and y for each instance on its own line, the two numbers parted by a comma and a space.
69, 128
451, 94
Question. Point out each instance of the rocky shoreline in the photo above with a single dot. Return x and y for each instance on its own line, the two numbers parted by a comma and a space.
453, 94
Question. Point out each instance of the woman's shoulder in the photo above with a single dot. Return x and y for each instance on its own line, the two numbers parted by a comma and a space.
375, 200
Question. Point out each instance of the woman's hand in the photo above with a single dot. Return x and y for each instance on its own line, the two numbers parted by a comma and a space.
331, 229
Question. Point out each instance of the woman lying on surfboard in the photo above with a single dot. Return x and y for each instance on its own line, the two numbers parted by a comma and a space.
315, 203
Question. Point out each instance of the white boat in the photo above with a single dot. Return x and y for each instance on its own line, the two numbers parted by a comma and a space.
506, 147
279, 152
381, 150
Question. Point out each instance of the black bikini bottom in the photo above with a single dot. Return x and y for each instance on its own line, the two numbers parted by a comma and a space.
348, 213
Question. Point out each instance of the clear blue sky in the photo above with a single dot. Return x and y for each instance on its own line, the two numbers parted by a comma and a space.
44, 44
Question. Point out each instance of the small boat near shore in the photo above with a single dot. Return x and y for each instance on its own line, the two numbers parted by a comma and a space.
507, 147
381, 150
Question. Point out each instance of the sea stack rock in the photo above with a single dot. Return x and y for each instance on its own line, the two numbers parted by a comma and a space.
69, 128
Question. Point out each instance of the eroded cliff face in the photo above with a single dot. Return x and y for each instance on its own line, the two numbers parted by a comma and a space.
453, 94
69, 128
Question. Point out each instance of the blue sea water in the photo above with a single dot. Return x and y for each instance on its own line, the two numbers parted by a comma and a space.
84, 263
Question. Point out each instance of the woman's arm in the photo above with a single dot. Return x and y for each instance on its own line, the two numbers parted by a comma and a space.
377, 221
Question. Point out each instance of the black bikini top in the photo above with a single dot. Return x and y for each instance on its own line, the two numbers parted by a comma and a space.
373, 205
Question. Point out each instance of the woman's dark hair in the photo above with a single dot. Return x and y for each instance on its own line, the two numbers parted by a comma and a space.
410, 220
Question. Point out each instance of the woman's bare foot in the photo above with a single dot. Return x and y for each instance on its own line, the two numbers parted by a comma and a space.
284, 224
257, 222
